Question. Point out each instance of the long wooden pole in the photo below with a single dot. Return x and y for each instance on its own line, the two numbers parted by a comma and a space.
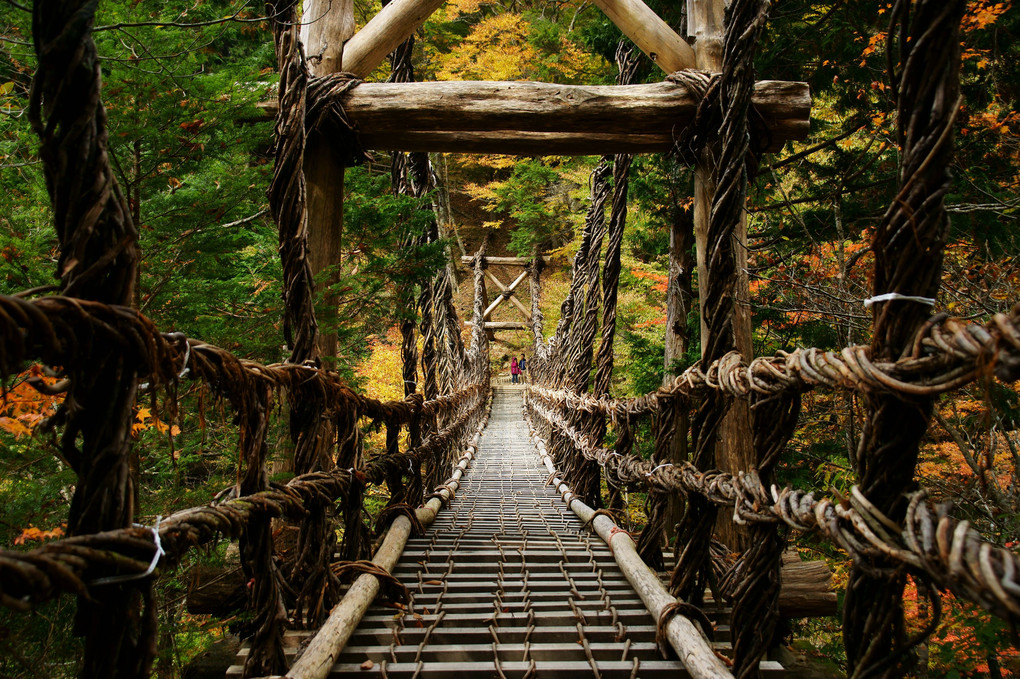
661, 110
394, 24
690, 644
326, 25
325, 647
735, 452
652, 35
543, 118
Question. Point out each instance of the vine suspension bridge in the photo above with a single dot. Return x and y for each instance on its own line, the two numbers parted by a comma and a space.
495, 554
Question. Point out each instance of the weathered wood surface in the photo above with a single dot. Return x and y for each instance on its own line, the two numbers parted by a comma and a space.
325, 25
509, 261
651, 34
502, 325
705, 25
394, 24
532, 118
387, 113
806, 590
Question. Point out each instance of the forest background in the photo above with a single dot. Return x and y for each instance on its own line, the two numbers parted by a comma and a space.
193, 153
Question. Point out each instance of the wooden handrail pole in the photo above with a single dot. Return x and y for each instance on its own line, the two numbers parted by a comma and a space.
651, 34
325, 647
394, 24
688, 641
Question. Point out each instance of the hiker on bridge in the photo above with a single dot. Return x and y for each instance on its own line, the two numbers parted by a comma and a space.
515, 370
522, 367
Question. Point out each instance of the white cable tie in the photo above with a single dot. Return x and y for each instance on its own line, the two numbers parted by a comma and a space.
895, 296
144, 386
114, 579
655, 469
187, 357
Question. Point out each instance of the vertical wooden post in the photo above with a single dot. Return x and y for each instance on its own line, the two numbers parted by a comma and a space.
679, 302
705, 20
327, 25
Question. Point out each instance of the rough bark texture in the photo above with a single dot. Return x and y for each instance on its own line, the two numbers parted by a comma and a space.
98, 260
908, 247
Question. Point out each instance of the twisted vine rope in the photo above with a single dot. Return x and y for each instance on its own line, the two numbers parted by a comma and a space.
71, 565
908, 247
929, 543
97, 260
587, 481
947, 353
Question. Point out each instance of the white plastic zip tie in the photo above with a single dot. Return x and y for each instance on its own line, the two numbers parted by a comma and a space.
114, 579
144, 386
891, 296
655, 469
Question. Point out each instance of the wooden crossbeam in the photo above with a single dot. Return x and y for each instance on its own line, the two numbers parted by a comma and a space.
394, 24
507, 294
387, 113
505, 261
543, 118
652, 35
502, 325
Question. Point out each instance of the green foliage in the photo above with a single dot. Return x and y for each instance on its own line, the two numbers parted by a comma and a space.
376, 263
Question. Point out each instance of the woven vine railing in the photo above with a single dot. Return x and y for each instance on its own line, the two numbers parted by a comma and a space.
108, 352
886, 526
64, 331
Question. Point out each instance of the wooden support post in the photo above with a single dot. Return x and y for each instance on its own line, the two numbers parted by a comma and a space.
326, 25
735, 450
651, 34
394, 24
679, 303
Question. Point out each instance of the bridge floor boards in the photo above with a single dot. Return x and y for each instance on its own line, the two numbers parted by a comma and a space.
508, 584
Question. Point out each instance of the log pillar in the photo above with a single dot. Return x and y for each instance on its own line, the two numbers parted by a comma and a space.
679, 302
735, 451
327, 25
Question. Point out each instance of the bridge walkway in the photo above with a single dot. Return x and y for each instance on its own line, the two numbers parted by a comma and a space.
507, 583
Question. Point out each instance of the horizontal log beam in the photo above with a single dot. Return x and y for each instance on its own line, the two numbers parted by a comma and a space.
502, 325
509, 261
531, 118
389, 115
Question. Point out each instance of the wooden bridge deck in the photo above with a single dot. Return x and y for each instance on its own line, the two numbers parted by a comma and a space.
508, 583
